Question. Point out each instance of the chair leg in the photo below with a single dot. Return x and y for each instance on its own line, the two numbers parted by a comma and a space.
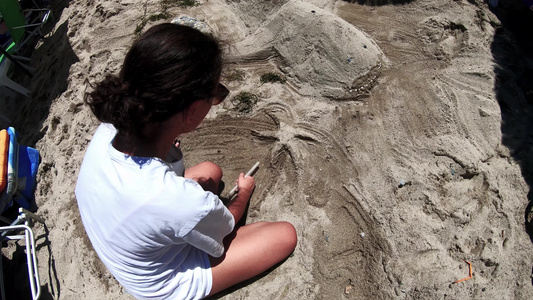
33, 273
6, 91
27, 216
31, 257
14, 86
24, 222
2, 288
6, 81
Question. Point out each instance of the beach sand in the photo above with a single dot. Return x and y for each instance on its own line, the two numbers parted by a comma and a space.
399, 145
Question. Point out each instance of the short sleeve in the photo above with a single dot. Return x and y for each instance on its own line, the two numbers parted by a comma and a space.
209, 233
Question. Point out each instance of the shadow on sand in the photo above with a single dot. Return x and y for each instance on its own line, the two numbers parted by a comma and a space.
52, 60
15, 270
512, 49
379, 2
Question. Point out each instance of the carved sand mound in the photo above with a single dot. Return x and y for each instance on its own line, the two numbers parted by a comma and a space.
318, 51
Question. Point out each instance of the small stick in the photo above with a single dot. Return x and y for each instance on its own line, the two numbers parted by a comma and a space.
469, 273
249, 173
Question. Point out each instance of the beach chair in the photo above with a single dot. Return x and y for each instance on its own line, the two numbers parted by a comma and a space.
10, 171
7, 52
23, 24
5, 80
20, 173
18, 169
13, 18
23, 223
4, 152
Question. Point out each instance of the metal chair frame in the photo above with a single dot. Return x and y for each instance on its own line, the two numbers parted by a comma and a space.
24, 222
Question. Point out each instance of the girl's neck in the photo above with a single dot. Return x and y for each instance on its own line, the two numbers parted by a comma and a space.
135, 146
156, 140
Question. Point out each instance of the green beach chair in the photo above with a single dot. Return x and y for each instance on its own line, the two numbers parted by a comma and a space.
5, 67
14, 18
23, 24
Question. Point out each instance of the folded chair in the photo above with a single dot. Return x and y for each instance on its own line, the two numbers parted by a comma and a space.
14, 18
5, 68
23, 24
7, 50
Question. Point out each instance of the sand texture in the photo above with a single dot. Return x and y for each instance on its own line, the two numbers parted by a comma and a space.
399, 145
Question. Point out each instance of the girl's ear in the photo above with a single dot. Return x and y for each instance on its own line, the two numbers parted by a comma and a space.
190, 116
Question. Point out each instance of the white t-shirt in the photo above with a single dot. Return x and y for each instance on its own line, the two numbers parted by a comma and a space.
152, 228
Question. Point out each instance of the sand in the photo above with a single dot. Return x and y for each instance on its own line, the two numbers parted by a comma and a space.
399, 145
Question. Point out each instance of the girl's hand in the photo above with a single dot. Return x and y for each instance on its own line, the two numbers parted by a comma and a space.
245, 187
245, 184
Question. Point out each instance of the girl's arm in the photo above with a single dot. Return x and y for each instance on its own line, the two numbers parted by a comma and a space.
237, 206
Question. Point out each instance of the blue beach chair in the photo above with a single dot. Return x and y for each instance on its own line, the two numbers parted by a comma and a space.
18, 172
21, 173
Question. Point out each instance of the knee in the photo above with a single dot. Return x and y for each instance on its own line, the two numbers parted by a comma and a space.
214, 171
290, 237
281, 234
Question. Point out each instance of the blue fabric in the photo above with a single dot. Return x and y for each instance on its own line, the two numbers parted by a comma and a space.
27, 174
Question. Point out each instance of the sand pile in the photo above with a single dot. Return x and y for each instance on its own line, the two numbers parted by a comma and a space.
384, 146
322, 54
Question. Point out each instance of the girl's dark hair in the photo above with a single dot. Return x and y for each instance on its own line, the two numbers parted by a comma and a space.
169, 67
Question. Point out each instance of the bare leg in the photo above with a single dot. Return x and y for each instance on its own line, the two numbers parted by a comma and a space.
207, 174
251, 250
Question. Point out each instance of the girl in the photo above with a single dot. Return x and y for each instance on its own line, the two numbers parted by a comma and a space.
161, 230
